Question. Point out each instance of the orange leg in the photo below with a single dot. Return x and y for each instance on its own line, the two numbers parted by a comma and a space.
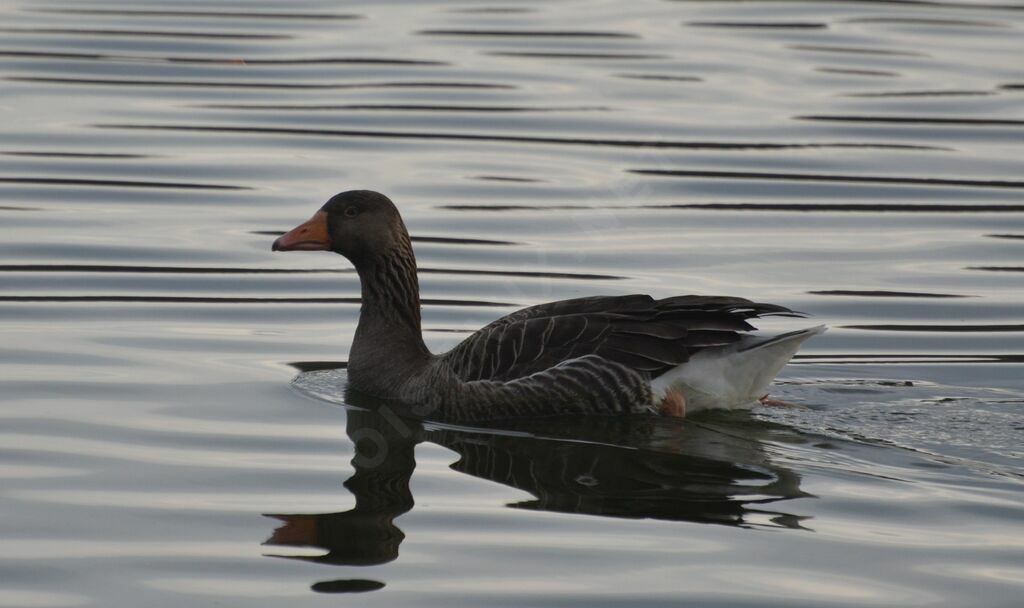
674, 404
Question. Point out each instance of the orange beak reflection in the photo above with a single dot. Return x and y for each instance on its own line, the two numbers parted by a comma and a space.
311, 236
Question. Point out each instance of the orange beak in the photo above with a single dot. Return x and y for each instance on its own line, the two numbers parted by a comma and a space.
311, 236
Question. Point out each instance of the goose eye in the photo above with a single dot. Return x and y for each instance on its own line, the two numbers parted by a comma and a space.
351, 211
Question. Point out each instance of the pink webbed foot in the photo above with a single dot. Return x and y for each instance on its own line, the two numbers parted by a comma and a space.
765, 401
674, 404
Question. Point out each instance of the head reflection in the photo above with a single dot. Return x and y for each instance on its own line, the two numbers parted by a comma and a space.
366, 534
642, 467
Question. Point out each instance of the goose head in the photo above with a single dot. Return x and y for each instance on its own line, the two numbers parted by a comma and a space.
358, 224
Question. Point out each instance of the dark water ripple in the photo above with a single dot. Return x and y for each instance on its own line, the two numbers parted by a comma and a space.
661, 77
405, 108
54, 154
853, 179
853, 72
791, 25
928, 93
526, 34
918, 120
885, 294
941, 328
142, 33
217, 60
998, 268
110, 183
801, 207
232, 15
583, 56
860, 161
856, 50
257, 85
693, 145
216, 300
927, 22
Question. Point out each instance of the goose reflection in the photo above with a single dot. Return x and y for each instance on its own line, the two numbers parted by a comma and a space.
648, 467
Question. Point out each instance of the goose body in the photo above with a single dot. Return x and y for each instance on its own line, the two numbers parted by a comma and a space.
596, 355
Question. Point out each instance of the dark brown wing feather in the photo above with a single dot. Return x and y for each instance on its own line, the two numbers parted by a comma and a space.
637, 331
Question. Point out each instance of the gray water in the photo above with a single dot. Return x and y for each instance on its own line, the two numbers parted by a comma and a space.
172, 430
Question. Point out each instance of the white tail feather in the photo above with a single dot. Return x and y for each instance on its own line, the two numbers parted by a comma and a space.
732, 376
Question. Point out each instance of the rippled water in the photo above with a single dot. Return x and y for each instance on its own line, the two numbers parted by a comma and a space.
861, 161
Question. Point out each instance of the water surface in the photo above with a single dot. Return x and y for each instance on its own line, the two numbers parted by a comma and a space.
860, 161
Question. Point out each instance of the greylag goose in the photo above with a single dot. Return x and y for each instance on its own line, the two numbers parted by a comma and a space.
595, 355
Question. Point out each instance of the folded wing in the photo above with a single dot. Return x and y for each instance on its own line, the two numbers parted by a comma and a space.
637, 331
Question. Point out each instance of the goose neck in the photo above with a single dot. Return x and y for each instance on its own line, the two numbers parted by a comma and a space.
389, 330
